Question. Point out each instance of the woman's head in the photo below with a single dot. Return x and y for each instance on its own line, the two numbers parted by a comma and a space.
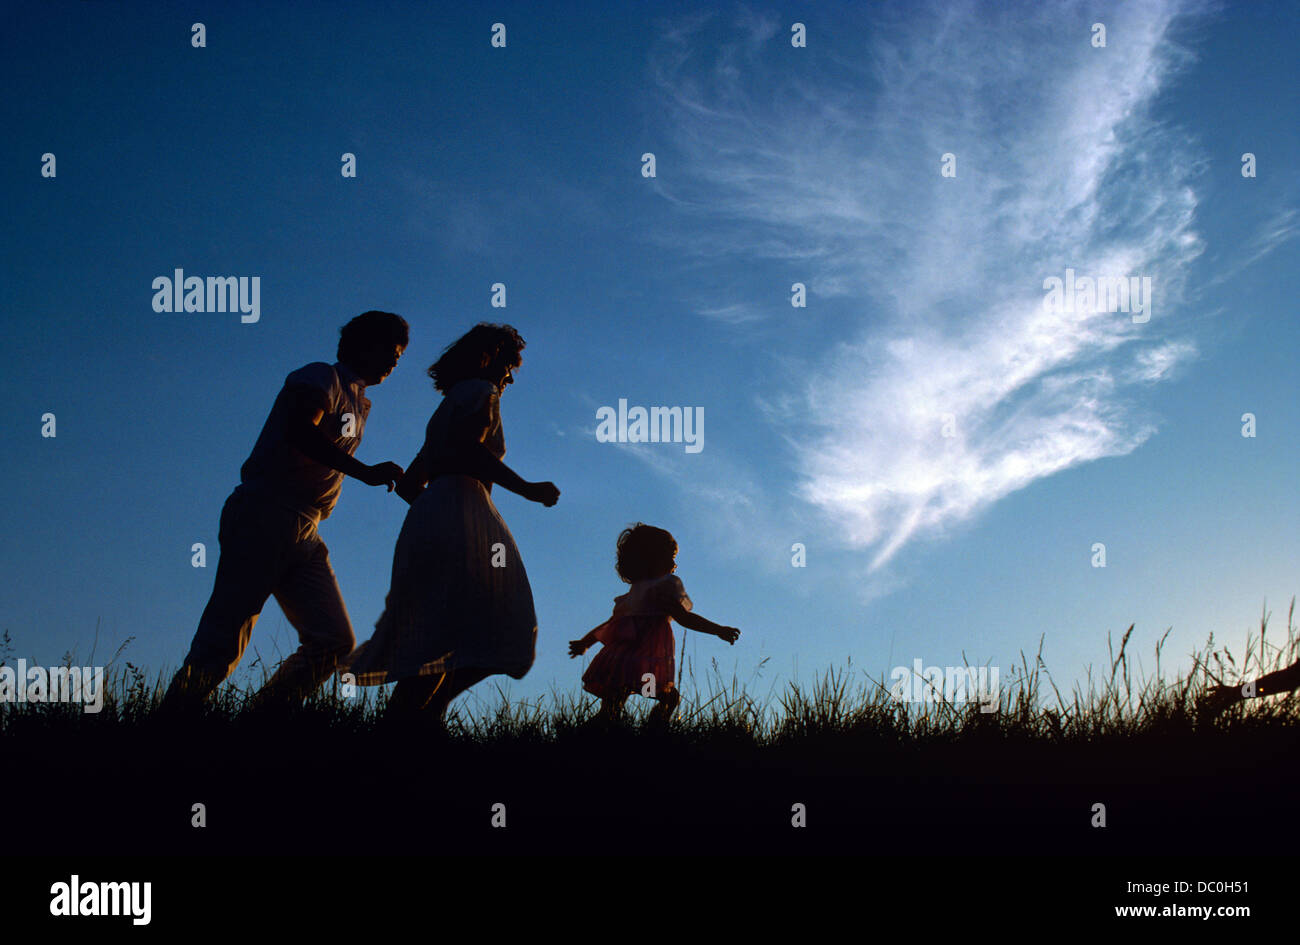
489, 351
645, 552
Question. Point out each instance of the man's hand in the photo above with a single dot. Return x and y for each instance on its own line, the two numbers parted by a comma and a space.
543, 492
730, 634
383, 474
577, 647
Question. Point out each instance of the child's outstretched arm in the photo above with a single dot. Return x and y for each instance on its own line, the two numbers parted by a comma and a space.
578, 647
695, 622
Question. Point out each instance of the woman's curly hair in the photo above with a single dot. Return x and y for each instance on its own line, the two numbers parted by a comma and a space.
645, 552
463, 358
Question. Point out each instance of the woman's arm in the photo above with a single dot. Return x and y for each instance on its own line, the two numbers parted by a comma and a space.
468, 433
488, 467
414, 479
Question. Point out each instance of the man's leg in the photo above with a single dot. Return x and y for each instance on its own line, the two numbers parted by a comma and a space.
246, 573
309, 595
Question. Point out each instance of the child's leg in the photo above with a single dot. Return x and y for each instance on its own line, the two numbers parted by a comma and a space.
667, 700
611, 707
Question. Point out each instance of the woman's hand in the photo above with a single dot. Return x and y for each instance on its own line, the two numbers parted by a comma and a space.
543, 492
408, 492
577, 647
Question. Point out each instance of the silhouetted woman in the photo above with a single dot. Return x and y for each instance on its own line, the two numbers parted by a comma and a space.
459, 607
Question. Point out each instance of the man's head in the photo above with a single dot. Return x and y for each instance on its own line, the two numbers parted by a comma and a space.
371, 343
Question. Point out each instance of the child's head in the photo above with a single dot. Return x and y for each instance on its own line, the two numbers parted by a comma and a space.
645, 552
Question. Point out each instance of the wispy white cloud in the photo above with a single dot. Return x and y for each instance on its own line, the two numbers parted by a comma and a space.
1283, 227
1158, 363
1278, 230
732, 494
955, 386
486, 222
734, 314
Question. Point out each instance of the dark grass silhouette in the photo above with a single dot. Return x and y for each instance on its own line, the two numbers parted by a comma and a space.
877, 777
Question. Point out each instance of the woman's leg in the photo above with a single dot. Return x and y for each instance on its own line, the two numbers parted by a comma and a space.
412, 694
453, 684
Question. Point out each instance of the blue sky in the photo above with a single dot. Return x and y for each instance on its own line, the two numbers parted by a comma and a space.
774, 165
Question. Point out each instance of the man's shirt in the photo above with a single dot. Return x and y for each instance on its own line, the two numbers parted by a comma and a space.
279, 471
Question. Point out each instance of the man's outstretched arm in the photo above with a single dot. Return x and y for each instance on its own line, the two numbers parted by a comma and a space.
304, 434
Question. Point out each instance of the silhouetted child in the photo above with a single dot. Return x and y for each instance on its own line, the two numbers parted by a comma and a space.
638, 637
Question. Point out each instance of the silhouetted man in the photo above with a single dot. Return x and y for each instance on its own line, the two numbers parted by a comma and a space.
269, 543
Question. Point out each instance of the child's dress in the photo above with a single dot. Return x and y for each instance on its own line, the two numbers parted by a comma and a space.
637, 639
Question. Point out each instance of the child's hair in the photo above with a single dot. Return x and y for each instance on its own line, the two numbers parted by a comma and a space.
645, 552
461, 359
370, 329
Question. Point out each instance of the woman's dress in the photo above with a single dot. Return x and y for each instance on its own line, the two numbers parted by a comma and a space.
459, 597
